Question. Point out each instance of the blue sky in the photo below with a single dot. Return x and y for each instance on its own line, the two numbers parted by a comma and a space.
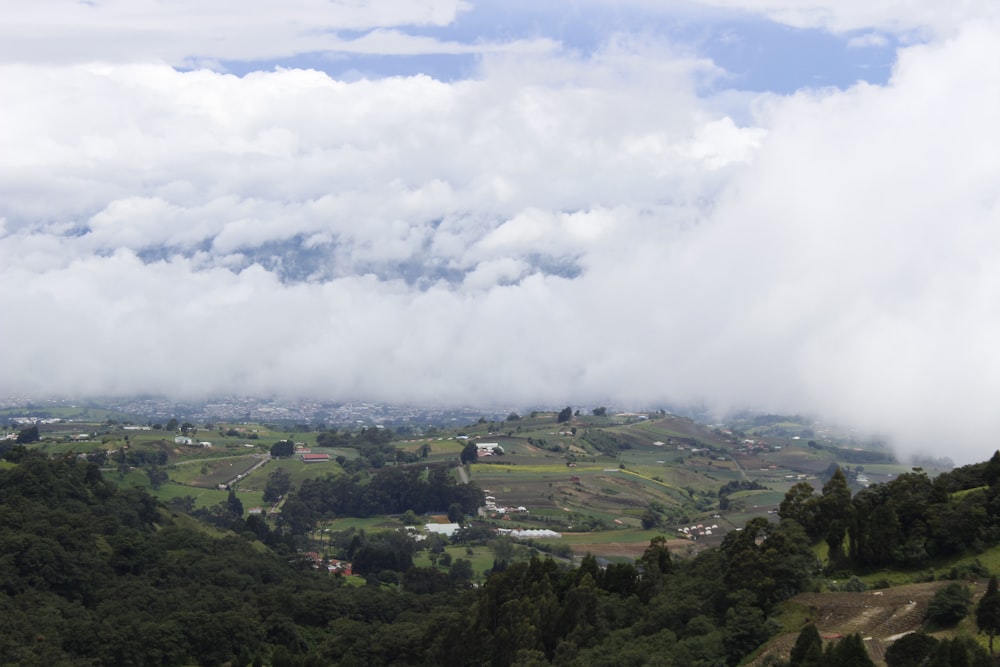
757, 54
791, 207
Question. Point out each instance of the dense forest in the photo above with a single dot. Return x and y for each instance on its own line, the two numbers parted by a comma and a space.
92, 574
903, 523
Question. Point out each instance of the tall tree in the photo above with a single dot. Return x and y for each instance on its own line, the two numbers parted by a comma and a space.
801, 505
848, 652
911, 650
470, 453
28, 435
282, 448
835, 516
233, 504
988, 611
808, 649
949, 605
278, 484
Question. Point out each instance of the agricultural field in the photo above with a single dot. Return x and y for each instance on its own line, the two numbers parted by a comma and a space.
879, 616
625, 544
481, 559
601, 475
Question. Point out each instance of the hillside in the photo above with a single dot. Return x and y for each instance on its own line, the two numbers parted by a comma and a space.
880, 617
608, 481
266, 582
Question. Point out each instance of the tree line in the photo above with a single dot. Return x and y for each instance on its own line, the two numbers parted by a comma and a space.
386, 491
95, 574
905, 522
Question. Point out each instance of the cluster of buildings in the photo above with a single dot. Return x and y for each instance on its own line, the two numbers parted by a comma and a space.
490, 505
488, 449
700, 530
529, 533
190, 442
306, 455
331, 565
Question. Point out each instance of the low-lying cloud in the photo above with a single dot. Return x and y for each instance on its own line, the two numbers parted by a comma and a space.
559, 229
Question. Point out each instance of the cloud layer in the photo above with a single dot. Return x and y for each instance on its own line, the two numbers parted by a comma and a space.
560, 228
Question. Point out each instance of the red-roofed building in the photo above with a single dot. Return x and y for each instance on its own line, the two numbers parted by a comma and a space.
315, 458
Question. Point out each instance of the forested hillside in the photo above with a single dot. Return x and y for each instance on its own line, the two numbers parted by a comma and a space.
903, 523
94, 574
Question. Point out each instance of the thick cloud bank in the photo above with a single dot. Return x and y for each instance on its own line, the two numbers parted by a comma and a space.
558, 228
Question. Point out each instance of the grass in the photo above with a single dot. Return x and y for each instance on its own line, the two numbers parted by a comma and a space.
481, 559
75, 447
367, 523
203, 497
298, 472
535, 475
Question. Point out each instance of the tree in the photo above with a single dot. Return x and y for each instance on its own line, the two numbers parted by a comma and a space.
282, 448
773, 562
957, 652
278, 484
801, 505
849, 651
911, 650
296, 516
656, 557
808, 649
470, 453
172, 424
599, 412
455, 513
565, 415
745, 629
460, 570
650, 519
157, 476
233, 504
28, 435
988, 611
834, 516
949, 605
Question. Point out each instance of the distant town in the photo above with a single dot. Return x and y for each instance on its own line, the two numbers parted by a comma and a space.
24, 409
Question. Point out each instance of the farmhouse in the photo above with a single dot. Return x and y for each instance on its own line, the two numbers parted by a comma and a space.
529, 533
315, 458
447, 529
335, 566
488, 448
182, 440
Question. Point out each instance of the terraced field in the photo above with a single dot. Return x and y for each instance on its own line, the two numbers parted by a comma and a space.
880, 616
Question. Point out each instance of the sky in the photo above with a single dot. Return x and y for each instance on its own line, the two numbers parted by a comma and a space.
742, 204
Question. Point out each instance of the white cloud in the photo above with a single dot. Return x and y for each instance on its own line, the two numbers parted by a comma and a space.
68, 31
561, 228
868, 40
924, 16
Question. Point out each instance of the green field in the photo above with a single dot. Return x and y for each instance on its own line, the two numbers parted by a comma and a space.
564, 474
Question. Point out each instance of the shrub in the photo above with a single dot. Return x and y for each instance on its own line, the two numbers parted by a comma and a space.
949, 605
